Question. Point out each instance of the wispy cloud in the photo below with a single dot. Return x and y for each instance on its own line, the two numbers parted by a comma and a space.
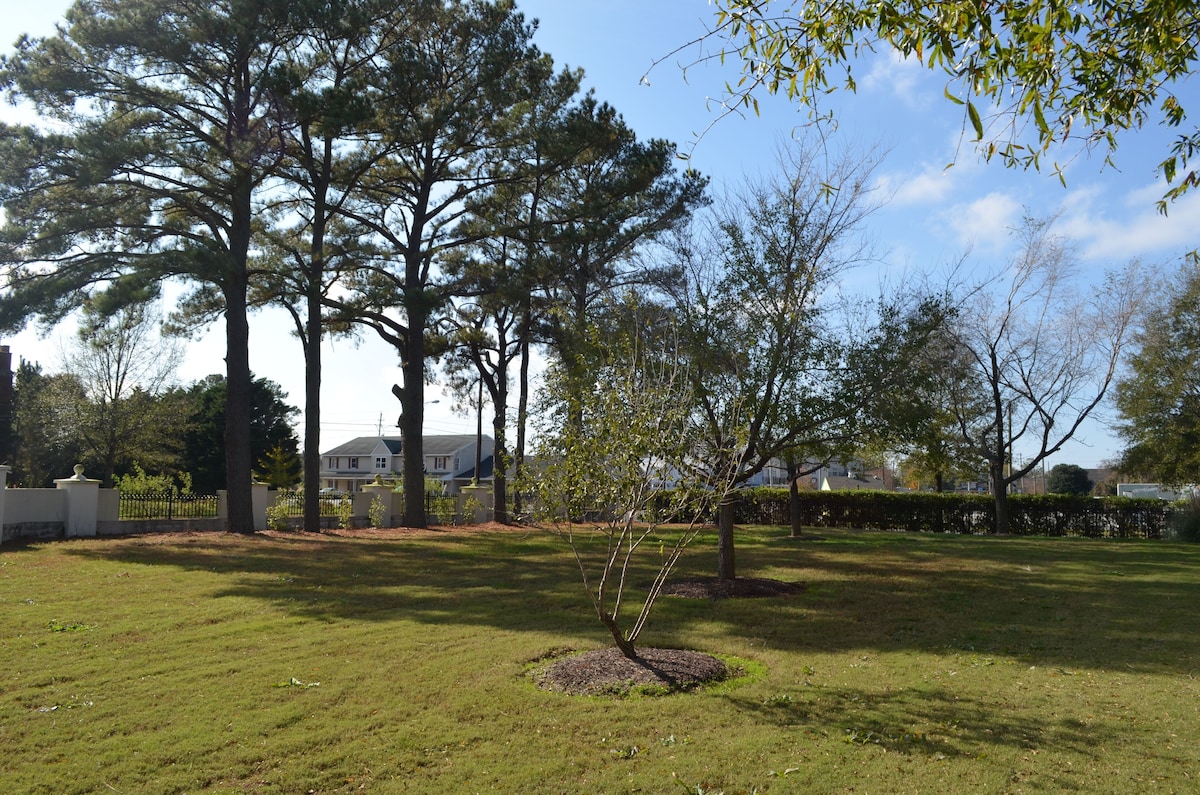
1132, 227
903, 77
930, 185
984, 224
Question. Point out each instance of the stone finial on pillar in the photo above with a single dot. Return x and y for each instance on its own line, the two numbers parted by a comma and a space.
83, 498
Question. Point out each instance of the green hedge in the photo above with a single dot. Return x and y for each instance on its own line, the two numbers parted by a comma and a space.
1043, 515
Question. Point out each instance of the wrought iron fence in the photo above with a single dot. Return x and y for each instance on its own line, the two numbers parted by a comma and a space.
291, 503
166, 505
440, 506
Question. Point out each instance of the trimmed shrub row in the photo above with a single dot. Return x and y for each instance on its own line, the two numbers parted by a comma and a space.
1041, 515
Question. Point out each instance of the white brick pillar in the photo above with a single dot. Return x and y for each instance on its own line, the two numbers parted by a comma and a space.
83, 501
260, 497
385, 494
475, 503
4, 470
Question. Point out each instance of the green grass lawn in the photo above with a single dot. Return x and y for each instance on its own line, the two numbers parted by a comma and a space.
913, 664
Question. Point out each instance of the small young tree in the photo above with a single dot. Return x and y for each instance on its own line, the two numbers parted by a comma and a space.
608, 485
280, 467
778, 372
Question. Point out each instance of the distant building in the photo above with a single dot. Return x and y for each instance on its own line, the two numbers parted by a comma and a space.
853, 483
1156, 491
449, 459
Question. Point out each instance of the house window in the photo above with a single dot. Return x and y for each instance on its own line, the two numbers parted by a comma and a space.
441, 462
381, 463
353, 464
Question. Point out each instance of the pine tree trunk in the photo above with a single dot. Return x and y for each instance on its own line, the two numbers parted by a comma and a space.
312, 415
237, 409
500, 461
412, 421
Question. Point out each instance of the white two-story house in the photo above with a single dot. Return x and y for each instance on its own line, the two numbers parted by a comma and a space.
450, 459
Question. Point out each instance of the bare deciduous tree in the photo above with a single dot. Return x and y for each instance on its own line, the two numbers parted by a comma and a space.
1043, 355
124, 367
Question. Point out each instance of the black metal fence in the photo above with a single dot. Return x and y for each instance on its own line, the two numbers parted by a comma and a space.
291, 503
166, 505
142, 505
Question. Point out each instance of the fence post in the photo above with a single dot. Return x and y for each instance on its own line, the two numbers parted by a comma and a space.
384, 492
83, 497
479, 500
4, 470
260, 496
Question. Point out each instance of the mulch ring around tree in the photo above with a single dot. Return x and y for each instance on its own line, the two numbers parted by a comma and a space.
739, 588
609, 672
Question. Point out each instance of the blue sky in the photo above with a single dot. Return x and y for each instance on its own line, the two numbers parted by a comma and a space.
933, 215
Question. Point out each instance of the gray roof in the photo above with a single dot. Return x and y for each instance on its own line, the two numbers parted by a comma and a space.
433, 445
365, 445
839, 483
449, 445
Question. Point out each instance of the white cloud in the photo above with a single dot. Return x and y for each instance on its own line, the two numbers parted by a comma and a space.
984, 224
930, 185
899, 75
933, 181
1131, 226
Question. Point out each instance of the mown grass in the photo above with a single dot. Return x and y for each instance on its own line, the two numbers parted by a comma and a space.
209, 663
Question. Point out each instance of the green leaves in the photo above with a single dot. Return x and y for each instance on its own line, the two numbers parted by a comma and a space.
1088, 70
1157, 400
976, 122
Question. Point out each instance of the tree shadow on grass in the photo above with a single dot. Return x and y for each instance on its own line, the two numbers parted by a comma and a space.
1105, 605
933, 722
508, 582
1069, 602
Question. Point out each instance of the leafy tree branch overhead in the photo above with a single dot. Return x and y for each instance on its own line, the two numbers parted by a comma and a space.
1029, 74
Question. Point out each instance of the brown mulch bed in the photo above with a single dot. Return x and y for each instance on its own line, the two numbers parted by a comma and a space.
739, 588
608, 672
